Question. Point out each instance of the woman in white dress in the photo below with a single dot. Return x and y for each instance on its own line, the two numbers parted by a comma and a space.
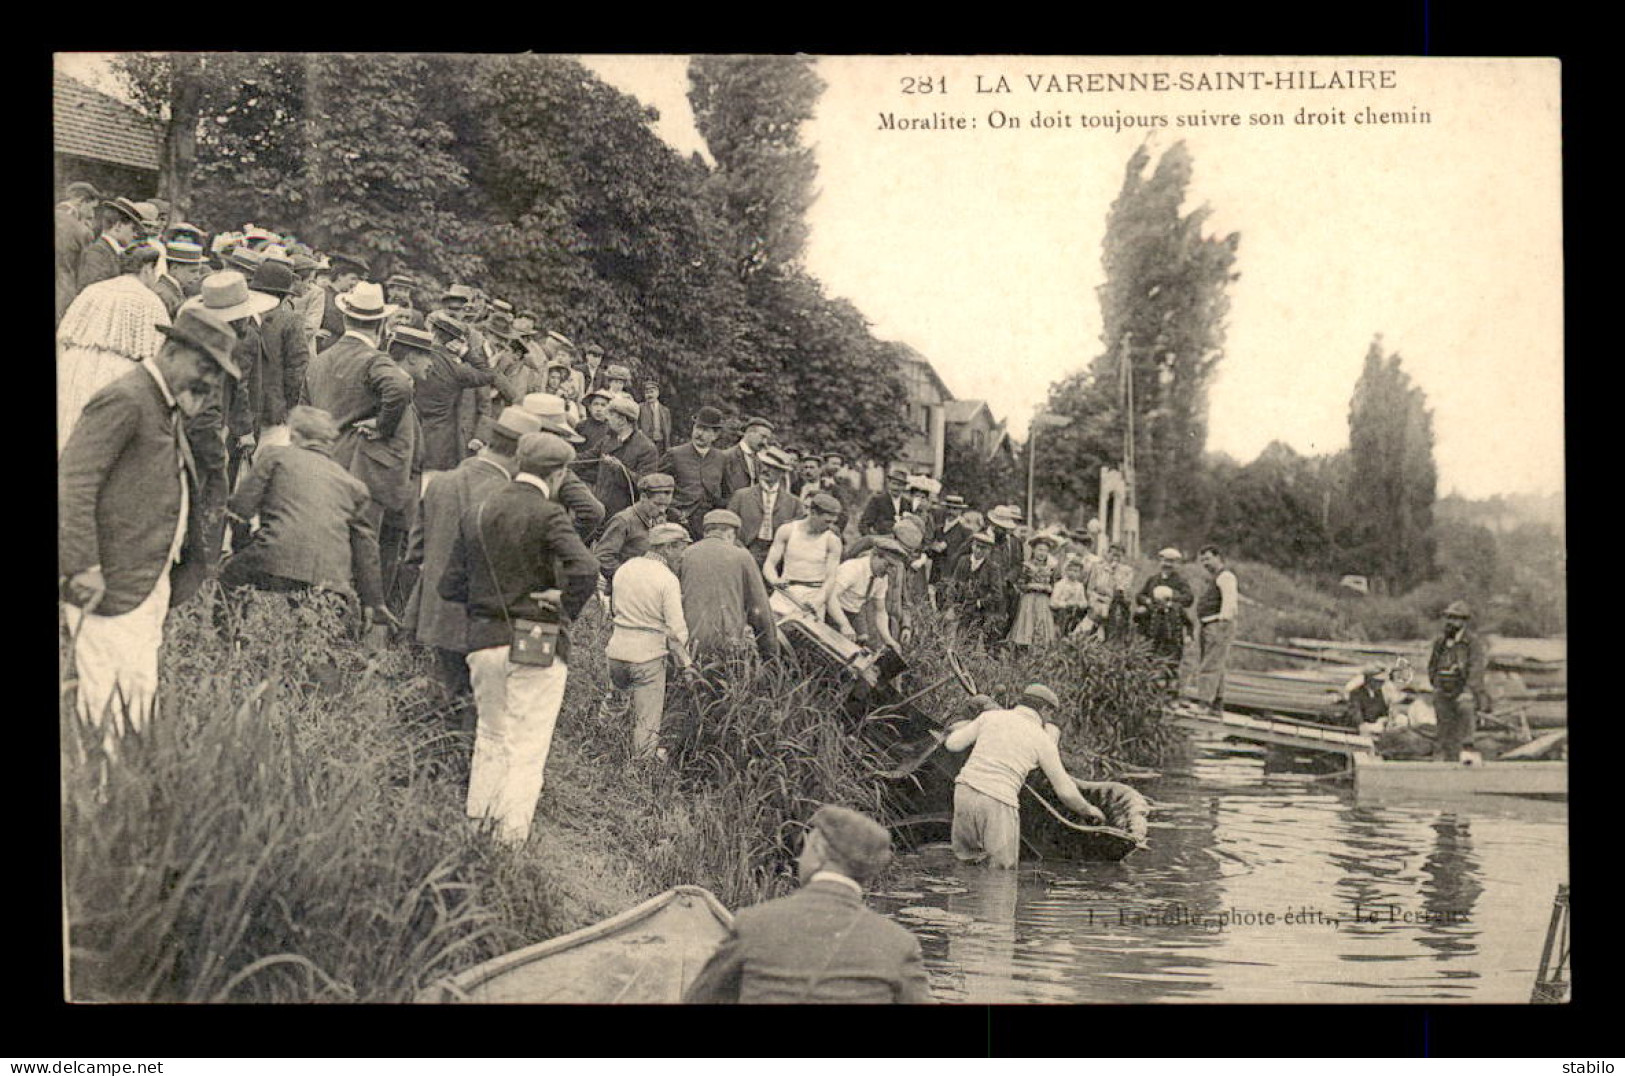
109, 326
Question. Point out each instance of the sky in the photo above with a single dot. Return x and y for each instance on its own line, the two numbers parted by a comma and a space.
981, 247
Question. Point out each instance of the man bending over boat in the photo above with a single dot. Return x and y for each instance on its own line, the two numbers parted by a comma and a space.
820, 945
1009, 744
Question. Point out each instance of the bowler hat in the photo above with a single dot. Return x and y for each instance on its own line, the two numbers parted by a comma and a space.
775, 458
225, 295
655, 481
666, 534
721, 517
542, 452
364, 302
273, 278
708, 417
554, 416
207, 333
862, 845
1040, 693
624, 405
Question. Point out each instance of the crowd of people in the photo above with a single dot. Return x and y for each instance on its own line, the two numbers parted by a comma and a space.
243, 407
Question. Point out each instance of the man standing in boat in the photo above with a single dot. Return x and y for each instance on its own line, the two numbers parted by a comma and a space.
1009, 745
1456, 671
820, 945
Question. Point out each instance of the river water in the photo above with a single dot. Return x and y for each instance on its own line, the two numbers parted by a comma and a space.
1254, 888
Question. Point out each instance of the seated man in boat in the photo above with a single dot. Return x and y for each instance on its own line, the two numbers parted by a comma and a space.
1009, 745
820, 945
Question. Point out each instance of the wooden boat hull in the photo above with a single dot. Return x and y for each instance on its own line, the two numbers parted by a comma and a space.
1378, 777
645, 955
1049, 832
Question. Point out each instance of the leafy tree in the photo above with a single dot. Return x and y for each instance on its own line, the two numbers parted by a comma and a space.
1393, 476
982, 480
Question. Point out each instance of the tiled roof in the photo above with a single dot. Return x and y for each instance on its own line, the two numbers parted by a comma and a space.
964, 410
92, 124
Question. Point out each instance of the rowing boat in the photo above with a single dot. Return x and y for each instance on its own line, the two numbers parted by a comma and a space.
1052, 833
1427, 779
645, 955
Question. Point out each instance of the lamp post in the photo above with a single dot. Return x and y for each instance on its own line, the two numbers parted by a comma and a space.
1042, 418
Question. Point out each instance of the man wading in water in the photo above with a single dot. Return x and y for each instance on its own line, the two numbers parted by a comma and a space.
1010, 744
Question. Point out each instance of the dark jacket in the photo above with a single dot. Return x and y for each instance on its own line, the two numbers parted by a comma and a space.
170, 292
98, 261
1184, 596
1453, 666
625, 536
435, 621
620, 467
736, 472
879, 514
700, 482
654, 421
72, 235
438, 400
332, 317
980, 595
506, 549
749, 505
724, 599
586, 513
313, 522
284, 357
818, 945
119, 495
353, 382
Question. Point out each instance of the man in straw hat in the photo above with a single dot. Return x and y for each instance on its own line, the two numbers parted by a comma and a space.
766, 504
804, 557
128, 510
436, 623
820, 944
519, 567
181, 275
570, 491
724, 598
624, 455
1009, 745
1456, 667
370, 397
649, 624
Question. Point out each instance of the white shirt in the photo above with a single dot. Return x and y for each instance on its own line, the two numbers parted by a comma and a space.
827, 875
855, 581
770, 497
808, 558
180, 461
648, 610
528, 479
363, 337
1010, 744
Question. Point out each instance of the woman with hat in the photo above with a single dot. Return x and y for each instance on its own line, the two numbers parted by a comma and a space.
108, 326
1034, 625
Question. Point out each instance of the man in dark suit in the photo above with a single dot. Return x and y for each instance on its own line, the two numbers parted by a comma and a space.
625, 455
347, 273
741, 472
765, 505
820, 944
284, 355
183, 273
127, 495
73, 234
884, 507
118, 225
655, 417
698, 468
975, 591
511, 550
370, 397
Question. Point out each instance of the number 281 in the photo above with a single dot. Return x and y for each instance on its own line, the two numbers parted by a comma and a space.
929, 84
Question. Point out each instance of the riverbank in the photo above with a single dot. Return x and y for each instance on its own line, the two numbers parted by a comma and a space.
309, 844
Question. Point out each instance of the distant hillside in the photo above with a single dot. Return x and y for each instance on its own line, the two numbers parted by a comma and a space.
1504, 513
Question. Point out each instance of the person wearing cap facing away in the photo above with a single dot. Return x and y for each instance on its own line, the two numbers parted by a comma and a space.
577, 498
765, 505
437, 623
880, 512
313, 526
73, 218
517, 560
1216, 612
699, 468
654, 419
975, 591
626, 533
370, 397
803, 560
647, 610
118, 224
624, 456
724, 598
857, 596
109, 325
1456, 667
439, 395
127, 511
1007, 745
820, 944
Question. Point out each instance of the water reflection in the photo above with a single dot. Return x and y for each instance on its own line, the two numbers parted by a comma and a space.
1253, 889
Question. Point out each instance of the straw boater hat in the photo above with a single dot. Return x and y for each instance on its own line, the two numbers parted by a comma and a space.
183, 252
364, 302
553, 414
406, 336
126, 207
1002, 516
226, 296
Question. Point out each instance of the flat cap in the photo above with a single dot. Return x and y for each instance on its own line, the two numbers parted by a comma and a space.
721, 517
617, 372
542, 452
826, 502
762, 422
909, 534
775, 458
1040, 693
666, 534
861, 844
1170, 554
1460, 609
656, 481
